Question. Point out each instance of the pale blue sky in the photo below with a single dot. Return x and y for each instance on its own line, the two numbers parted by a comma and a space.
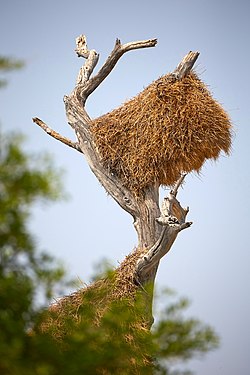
209, 262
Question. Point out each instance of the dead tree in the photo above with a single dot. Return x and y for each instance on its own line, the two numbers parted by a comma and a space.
157, 227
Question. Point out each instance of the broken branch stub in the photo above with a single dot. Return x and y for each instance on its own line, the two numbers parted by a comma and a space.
185, 66
92, 58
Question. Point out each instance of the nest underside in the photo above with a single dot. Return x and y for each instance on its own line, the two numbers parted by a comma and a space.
98, 295
172, 126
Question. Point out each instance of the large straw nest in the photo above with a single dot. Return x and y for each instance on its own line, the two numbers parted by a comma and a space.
99, 296
171, 127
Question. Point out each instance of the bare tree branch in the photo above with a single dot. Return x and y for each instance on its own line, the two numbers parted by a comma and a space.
171, 207
118, 51
153, 256
56, 135
178, 184
79, 121
91, 56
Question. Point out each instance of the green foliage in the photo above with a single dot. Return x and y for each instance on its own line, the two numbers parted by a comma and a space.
180, 338
112, 338
117, 344
24, 272
22, 183
9, 64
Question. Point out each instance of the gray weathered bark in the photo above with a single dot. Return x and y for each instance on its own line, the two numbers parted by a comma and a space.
157, 228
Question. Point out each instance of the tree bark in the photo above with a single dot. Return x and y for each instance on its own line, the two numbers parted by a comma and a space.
157, 228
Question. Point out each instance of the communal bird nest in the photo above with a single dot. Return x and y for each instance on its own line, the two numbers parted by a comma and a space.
172, 126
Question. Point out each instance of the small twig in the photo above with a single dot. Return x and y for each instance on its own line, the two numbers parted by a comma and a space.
185, 225
178, 183
56, 135
171, 208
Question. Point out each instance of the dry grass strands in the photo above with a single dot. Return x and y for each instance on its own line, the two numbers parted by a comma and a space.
96, 297
171, 127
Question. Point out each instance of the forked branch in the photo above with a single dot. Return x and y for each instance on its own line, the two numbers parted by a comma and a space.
83, 91
172, 219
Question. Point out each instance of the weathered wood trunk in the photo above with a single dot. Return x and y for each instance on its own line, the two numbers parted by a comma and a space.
146, 225
157, 228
